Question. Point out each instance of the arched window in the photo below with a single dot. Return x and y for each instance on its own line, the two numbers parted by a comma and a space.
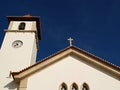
63, 86
74, 86
85, 86
21, 26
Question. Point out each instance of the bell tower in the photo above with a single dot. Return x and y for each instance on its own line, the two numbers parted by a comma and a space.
19, 47
20, 44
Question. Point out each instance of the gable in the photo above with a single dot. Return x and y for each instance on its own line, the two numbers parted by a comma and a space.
68, 70
77, 53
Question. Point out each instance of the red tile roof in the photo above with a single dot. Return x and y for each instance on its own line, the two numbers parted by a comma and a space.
76, 49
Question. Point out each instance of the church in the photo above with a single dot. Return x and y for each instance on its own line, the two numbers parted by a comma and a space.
69, 69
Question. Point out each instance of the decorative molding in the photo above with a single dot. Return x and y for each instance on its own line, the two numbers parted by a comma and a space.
23, 84
71, 51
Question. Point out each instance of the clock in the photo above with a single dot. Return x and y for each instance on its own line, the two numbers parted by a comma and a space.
17, 44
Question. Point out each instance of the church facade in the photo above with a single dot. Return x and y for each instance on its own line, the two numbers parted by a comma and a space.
68, 69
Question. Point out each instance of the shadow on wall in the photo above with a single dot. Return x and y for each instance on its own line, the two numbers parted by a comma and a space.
12, 85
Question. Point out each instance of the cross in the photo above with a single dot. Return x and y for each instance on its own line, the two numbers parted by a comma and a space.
70, 41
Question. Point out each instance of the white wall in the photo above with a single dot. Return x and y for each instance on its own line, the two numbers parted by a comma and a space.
20, 57
70, 70
15, 24
16, 59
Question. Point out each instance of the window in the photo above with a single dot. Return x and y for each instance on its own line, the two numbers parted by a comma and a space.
85, 86
21, 26
74, 86
63, 86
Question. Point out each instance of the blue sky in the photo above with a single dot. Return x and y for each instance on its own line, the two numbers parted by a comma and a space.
93, 24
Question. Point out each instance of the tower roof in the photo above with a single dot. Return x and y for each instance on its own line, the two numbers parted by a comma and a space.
27, 17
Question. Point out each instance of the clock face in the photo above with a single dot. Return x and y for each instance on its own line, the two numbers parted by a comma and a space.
17, 44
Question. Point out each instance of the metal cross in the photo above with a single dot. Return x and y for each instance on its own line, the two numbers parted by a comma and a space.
70, 41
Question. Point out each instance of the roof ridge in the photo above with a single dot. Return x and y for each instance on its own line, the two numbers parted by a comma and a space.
74, 47
97, 57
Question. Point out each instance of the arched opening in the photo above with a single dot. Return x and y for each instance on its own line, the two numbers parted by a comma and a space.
63, 86
74, 86
21, 26
85, 86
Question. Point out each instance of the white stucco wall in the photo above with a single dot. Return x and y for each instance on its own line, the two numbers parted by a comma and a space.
16, 59
15, 24
70, 70
21, 57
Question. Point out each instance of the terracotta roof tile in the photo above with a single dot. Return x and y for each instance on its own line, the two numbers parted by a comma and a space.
77, 49
27, 15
